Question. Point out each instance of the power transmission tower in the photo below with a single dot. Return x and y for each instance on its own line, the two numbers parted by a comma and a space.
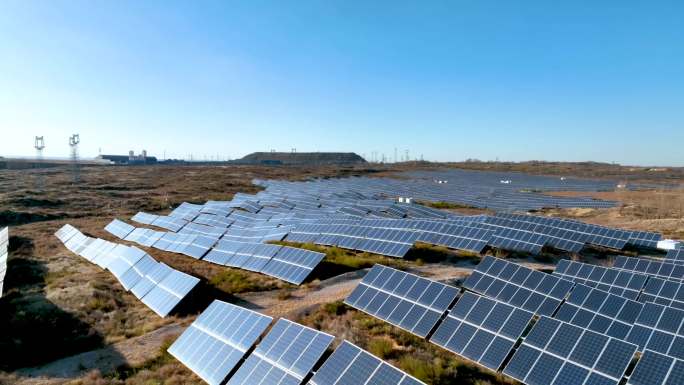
74, 140
39, 145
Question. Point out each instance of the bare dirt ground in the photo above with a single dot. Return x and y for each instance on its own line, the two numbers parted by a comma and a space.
72, 323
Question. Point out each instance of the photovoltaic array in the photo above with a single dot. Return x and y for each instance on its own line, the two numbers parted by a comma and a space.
286, 355
666, 270
623, 283
655, 368
410, 302
482, 330
218, 340
215, 345
558, 353
519, 286
599, 311
350, 365
663, 292
676, 255
660, 329
158, 286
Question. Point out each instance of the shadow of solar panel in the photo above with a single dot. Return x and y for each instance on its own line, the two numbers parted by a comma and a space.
119, 228
619, 282
650, 267
169, 292
599, 311
657, 369
518, 286
151, 279
482, 330
218, 339
405, 300
285, 356
663, 292
351, 365
557, 353
292, 265
659, 328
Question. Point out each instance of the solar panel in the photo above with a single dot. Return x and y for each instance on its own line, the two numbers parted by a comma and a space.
218, 339
519, 286
119, 228
214, 220
186, 211
285, 356
482, 329
196, 228
557, 353
619, 282
66, 232
650, 267
405, 300
224, 251
663, 292
169, 292
124, 258
645, 239
599, 311
144, 218
519, 240
458, 237
169, 223
151, 279
145, 237
292, 265
131, 277
657, 369
350, 365
659, 328
676, 254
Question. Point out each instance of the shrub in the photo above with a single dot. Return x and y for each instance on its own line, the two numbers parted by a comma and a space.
381, 347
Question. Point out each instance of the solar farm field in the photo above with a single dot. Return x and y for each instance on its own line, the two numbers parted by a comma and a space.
322, 275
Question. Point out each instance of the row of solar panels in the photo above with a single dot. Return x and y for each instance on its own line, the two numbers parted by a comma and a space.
4, 253
287, 263
216, 343
525, 234
467, 188
154, 283
598, 332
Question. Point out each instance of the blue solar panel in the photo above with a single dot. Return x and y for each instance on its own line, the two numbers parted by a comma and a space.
350, 365
619, 282
557, 353
518, 286
405, 300
657, 369
218, 339
482, 329
286, 355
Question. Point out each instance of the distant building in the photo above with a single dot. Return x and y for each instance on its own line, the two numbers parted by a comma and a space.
301, 158
131, 158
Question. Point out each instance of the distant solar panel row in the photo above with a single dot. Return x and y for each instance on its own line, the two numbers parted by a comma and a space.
158, 286
410, 302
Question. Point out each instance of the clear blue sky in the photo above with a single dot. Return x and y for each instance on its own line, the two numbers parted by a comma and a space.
551, 80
